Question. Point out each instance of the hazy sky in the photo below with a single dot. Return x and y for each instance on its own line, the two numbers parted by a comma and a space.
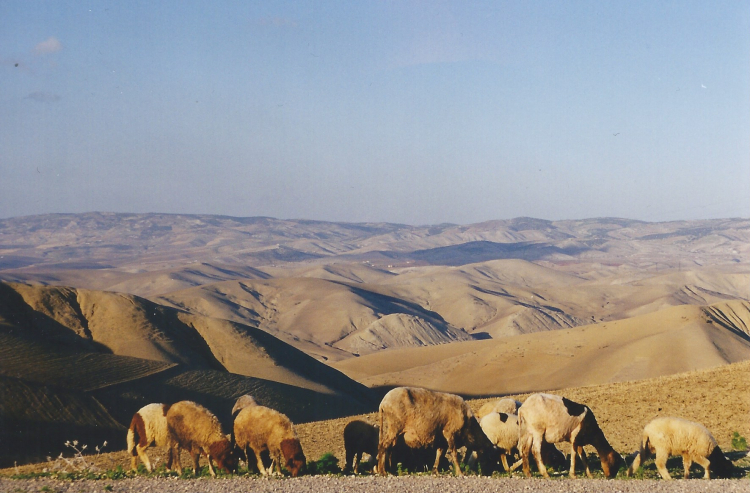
398, 111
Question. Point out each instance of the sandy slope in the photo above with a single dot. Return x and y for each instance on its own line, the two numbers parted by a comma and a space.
669, 341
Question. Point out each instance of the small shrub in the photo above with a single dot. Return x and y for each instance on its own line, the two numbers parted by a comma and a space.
327, 464
738, 441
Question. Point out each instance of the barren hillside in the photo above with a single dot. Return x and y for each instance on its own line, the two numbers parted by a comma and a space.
669, 341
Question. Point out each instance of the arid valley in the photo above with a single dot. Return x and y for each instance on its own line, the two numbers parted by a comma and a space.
101, 314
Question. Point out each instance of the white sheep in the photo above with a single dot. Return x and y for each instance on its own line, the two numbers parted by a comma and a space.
505, 405
148, 427
502, 429
667, 436
554, 419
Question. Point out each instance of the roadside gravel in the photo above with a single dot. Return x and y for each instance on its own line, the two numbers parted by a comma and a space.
374, 484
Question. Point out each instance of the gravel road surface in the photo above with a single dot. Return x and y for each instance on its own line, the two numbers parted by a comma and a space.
373, 484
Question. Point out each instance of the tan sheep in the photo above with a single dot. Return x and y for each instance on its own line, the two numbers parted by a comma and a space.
148, 427
360, 437
263, 429
555, 419
424, 419
676, 436
194, 428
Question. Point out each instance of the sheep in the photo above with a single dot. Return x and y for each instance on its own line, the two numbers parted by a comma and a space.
502, 430
557, 419
423, 418
359, 437
263, 429
506, 405
676, 436
148, 427
194, 428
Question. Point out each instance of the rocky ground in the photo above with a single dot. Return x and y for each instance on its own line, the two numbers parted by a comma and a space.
372, 484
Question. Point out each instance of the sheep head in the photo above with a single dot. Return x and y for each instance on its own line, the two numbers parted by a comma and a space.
295, 459
225, 455
611, 463
719, 465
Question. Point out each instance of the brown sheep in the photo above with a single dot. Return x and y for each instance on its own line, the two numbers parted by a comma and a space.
263, 429
148, 427
194, 428
359, 437
551, 418
423, 419
676, 436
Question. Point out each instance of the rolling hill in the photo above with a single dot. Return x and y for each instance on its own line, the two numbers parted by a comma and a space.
669, 341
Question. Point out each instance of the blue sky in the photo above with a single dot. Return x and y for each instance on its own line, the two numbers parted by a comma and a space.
398, 111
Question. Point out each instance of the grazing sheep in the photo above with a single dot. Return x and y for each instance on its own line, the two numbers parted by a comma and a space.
676, 436
551, 418
423, 418
502, 430
263, 429
359, 437
148, 427
194, 428
506, 405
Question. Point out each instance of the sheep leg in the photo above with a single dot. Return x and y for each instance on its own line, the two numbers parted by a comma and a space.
247, 458
584, 461
536, 448
504, 460
195, 455
524, 446
175, 449
704, 463
384, 457
661, 464
210, 466
454, 457
259, 461
141, 451
516, 464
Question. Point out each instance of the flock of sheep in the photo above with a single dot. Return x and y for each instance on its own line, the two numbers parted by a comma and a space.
416, 428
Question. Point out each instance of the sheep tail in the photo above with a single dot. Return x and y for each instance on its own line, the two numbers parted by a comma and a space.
134, 432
